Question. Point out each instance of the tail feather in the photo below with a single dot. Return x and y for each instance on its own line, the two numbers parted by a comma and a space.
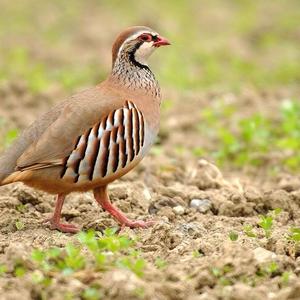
14, 177
4, 170
8, 159
7, 164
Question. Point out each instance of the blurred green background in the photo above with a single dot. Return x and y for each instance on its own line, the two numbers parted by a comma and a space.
216, 44
239, 56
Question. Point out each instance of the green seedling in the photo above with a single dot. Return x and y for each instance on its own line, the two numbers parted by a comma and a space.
222, 274
268, 270
233, 236
91, 293
272, 268
105, 251
19, 270
19, 225
197, 253
135, 265
73, 260
21, 208
294, 234
248, 230
139, 292
160, 263
38, 277
266, 222
3, 269
285, 278
248, 141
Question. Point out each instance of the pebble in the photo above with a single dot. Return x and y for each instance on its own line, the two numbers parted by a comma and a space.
201, 205
262, 255
179, 210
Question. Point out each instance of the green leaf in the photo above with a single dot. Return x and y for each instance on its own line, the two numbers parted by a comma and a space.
233, 236
38, 255
3, 269
248, 230
19, 225
91, 294
295, 234
19, 271
160, 263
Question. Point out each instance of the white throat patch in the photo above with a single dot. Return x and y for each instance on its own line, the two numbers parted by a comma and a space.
143, 52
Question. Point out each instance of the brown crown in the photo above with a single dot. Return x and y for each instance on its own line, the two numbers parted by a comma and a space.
123, 36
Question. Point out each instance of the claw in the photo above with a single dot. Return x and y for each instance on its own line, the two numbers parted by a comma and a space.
63, 227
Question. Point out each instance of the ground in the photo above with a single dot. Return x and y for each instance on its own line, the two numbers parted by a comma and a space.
221, 182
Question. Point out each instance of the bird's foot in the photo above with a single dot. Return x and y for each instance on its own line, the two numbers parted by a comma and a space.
63, 227
102, 198
137, 224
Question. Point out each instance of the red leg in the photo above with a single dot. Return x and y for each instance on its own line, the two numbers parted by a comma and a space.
55, 219
102, 198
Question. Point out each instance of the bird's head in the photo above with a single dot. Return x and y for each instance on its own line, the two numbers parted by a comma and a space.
137, 44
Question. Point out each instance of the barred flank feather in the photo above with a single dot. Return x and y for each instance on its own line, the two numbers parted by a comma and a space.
107, 147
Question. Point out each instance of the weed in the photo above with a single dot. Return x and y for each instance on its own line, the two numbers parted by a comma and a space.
233, 236
19, 270
135, 265
222, 274
248, 230
19, 225
140, 292
197, 253
160, 263
91, 293
268, 270
285, 277
266, 222
294, 234
3, 269
96, 253
38, 277
251, 140
21, 208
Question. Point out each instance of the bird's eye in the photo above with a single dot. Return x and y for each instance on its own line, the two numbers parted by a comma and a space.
145, 37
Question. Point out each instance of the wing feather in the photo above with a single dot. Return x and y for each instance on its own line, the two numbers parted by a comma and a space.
58, 140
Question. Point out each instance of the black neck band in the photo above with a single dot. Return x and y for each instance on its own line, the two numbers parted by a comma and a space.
132, 57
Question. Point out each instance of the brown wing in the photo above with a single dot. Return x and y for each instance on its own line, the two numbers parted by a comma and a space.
110, 146
57, 141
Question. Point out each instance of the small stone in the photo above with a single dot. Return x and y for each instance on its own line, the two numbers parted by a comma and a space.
179, 210
201, 205
262, 255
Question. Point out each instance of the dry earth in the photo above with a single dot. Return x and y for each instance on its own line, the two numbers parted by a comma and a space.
194, 241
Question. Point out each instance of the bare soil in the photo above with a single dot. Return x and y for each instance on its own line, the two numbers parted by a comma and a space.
192, 242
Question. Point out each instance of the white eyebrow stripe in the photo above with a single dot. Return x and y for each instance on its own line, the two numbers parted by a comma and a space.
134, 36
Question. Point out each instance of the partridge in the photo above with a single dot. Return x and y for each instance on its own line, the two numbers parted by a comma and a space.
95, 136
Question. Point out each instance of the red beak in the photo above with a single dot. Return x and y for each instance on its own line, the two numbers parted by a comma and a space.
161, 41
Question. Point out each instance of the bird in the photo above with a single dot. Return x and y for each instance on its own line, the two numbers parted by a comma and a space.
95, 136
